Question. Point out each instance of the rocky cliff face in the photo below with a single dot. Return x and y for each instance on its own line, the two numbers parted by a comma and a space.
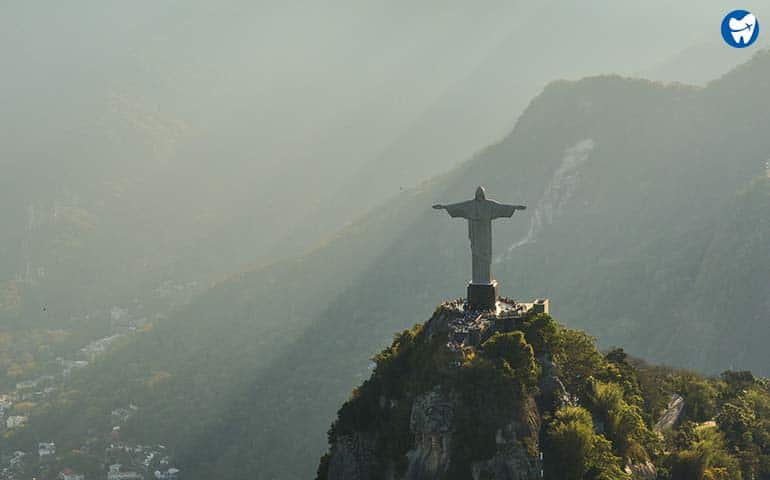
437, 424
432, 425
502, 395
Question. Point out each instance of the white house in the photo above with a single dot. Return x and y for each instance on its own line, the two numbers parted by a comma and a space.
46, 449
15, 421
116, 473
170, 474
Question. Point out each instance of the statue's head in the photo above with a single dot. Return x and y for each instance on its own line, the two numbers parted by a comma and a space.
480, 194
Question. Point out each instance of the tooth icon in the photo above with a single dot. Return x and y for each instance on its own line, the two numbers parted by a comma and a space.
743, 30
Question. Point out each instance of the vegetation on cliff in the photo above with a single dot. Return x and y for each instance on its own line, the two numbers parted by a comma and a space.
601, 426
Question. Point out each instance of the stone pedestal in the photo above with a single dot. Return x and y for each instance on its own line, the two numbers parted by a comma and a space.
482, 296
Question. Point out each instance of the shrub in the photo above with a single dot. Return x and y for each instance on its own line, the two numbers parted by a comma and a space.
579, 453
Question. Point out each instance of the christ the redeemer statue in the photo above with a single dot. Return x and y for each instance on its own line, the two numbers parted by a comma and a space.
482, 291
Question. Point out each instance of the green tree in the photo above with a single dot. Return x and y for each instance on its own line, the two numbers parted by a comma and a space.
623, 422
576, 452
708, 459
513, 351
578, 361
700, 397
542, 332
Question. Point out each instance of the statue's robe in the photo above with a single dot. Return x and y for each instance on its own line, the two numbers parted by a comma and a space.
480, 214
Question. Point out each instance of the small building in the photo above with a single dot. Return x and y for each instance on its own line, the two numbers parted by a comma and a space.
45, 449
69, 474
26, 385
542, 305
170, 474
121, 415
116, 473
16, 421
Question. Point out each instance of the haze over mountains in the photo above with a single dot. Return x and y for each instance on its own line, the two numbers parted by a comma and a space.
647, 225
178, 130
143, 148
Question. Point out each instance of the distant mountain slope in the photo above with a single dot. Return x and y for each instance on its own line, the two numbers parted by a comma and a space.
169, 138
700, 63
638, 194
480, 107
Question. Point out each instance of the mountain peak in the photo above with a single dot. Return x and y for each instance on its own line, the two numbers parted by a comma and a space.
453, 396
511, 394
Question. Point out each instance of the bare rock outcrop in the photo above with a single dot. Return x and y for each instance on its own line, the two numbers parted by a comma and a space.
642, 471
517, 456
352, 459
671, 414
426, 424
432, 423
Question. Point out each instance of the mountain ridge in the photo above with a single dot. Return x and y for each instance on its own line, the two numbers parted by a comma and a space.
300, 331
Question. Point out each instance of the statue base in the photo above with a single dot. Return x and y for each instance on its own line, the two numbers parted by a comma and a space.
482, 296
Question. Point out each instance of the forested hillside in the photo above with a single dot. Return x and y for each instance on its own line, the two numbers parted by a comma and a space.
539, 401
639, 194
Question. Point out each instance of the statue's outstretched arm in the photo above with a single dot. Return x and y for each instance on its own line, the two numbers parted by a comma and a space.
462, 209
504, 210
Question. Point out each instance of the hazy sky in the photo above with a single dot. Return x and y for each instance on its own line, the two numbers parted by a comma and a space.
286, 102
